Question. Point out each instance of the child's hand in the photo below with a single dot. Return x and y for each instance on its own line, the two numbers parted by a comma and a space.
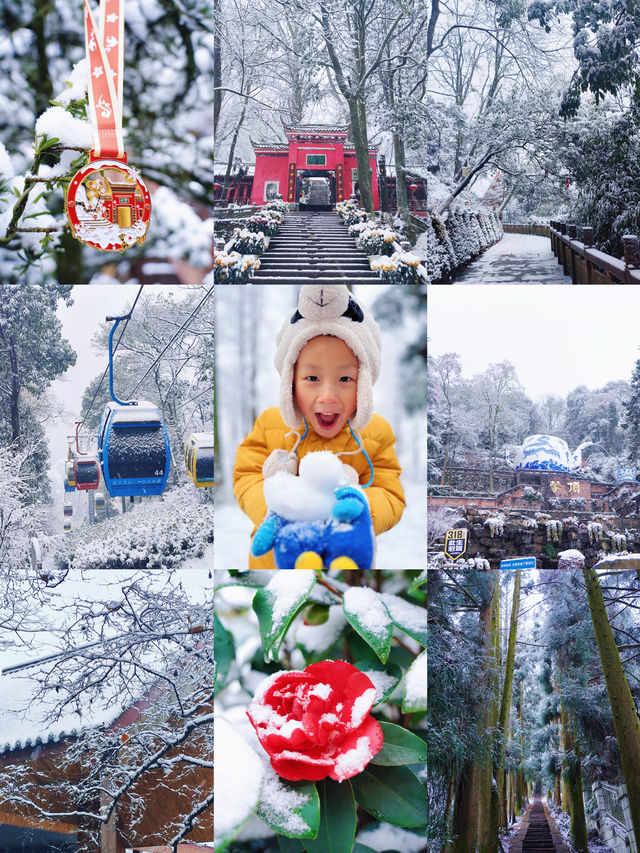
350, 504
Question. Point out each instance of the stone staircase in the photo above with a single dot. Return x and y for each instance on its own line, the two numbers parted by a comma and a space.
314, 247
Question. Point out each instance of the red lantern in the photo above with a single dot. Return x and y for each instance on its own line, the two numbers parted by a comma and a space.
413, 187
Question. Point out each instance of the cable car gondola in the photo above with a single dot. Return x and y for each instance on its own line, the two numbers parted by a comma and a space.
68, 509
133, 443
70, 477
198, 458
86, 468
87, 473
67, 527
100, 501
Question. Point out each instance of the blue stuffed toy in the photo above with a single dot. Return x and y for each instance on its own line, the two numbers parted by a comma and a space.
315, 520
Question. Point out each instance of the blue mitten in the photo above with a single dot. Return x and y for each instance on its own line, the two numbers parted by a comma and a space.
349, 504
265, 535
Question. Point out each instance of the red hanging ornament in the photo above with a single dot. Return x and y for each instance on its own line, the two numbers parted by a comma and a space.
108, 204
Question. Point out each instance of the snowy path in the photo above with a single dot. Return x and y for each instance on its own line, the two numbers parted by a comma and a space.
517, 258
402, 547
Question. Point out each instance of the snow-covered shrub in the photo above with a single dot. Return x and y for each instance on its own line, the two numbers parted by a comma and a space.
265, 222
351, 217
345, 207
277, 205
377, 241
249, 242
554, 530
530, 494
595, 530
400, 268
232, 267
157, 534
356, 230
618, 541
495, 523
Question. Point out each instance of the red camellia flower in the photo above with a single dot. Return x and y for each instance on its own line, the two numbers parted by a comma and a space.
316, 723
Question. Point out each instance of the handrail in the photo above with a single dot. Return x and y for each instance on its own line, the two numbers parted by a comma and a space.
587, 265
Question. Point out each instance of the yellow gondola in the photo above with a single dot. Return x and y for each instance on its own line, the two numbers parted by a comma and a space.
70, 475
198, 458
100, 501
67, 527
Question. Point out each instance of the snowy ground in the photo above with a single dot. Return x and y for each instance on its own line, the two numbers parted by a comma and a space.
517, 258
402, 547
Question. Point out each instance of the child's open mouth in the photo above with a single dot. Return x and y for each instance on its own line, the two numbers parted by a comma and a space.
327, 421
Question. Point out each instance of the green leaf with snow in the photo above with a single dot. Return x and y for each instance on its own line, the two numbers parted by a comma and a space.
385, 678
368, 615
414, 692
400, 747
238, 782
407, 617
290, 809
276, 605
392, 794
419, 581
223, 652
337, 819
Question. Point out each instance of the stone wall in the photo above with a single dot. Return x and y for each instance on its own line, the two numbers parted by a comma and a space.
612, 821
496, 536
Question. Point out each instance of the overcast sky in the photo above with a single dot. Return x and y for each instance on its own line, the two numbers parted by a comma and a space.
558, 337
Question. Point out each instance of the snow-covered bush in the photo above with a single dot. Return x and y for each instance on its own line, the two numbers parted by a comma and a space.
377, 241
400, 268
268, 223
350, 213
248, 242
278, 205
495, 523
359, 227
595, 530
315, 628
157, 534
232, 267
618, 541
554, 530
530, 494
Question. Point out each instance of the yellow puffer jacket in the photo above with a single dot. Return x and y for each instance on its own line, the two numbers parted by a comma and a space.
385, 495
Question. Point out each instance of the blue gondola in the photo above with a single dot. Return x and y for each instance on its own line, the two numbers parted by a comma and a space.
133, 443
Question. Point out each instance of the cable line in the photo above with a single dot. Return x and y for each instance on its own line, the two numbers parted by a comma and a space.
177, 334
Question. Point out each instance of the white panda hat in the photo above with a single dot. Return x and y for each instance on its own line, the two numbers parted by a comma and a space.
329, 309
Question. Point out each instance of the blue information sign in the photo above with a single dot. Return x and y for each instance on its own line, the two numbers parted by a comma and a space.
518, 563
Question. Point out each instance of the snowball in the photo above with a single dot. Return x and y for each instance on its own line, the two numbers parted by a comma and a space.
311, 495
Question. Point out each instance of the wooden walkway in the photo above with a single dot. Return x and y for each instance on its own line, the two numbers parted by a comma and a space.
538, 832
516, 259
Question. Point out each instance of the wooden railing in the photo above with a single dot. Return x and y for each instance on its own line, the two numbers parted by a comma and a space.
586, 265
535, 230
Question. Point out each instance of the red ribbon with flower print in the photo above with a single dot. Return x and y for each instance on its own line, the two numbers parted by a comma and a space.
105, 52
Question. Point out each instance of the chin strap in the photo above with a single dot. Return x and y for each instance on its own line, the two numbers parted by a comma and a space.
360, 449
294, 449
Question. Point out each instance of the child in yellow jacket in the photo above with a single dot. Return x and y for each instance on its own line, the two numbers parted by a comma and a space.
328, 357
